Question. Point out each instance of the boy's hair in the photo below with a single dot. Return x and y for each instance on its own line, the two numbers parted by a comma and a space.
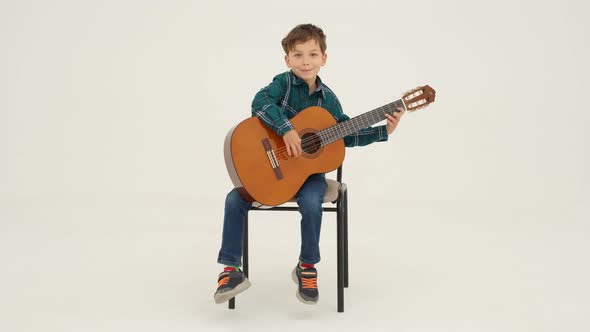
303, 33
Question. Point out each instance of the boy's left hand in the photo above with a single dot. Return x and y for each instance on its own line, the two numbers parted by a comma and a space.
392, 121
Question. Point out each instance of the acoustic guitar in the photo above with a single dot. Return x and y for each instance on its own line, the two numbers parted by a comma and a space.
256, 157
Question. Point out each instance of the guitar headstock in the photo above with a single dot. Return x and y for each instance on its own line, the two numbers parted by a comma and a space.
418, 98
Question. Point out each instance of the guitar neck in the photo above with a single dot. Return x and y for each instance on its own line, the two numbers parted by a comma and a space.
348, 127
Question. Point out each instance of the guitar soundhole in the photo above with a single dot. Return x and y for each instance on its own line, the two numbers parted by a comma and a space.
310, 143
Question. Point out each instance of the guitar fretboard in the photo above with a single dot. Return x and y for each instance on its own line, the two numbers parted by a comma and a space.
345, 128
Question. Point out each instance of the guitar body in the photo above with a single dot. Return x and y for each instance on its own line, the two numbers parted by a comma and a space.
258, 164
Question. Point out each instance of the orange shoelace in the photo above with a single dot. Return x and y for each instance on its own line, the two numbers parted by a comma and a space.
222, 282
309, 282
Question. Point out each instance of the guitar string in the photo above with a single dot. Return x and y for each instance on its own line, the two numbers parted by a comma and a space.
330, 131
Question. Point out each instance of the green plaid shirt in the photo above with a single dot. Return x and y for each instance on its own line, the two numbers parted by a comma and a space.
288, 95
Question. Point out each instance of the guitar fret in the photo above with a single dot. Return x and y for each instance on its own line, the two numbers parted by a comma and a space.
348, 127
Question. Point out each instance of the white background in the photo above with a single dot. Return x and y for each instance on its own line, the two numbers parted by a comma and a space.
473, 217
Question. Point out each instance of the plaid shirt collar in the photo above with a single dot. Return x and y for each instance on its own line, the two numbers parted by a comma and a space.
298, 81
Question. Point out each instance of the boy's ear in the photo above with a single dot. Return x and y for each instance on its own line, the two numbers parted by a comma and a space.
287, 60
324, 58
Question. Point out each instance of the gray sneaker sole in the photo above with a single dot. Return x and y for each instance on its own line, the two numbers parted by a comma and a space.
226, 296
299, 297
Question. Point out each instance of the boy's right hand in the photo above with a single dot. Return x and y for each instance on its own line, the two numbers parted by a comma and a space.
293, 143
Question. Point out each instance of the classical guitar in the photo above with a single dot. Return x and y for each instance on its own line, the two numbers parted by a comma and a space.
256, 157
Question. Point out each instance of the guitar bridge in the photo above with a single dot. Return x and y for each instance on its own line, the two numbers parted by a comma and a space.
272, 158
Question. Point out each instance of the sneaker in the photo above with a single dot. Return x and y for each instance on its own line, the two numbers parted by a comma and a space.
230, 284
307, 281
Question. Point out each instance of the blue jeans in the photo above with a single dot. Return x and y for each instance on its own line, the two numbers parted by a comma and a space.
309, 199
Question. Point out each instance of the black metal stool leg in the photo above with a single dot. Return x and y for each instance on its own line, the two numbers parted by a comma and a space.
232, 303
345, 210
340, 254
245, 250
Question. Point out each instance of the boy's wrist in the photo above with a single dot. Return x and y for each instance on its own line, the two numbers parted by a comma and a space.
383, 133
285, 128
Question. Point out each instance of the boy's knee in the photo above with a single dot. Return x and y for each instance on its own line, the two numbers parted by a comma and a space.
235, 200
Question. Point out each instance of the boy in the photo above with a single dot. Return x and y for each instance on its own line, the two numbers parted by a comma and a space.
288, 94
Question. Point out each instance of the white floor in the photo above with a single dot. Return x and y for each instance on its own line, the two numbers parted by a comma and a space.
148, 264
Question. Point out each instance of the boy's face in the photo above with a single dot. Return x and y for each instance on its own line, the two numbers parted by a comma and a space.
306, 59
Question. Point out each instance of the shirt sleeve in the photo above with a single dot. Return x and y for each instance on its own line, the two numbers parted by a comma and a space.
266, 106
364, 136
